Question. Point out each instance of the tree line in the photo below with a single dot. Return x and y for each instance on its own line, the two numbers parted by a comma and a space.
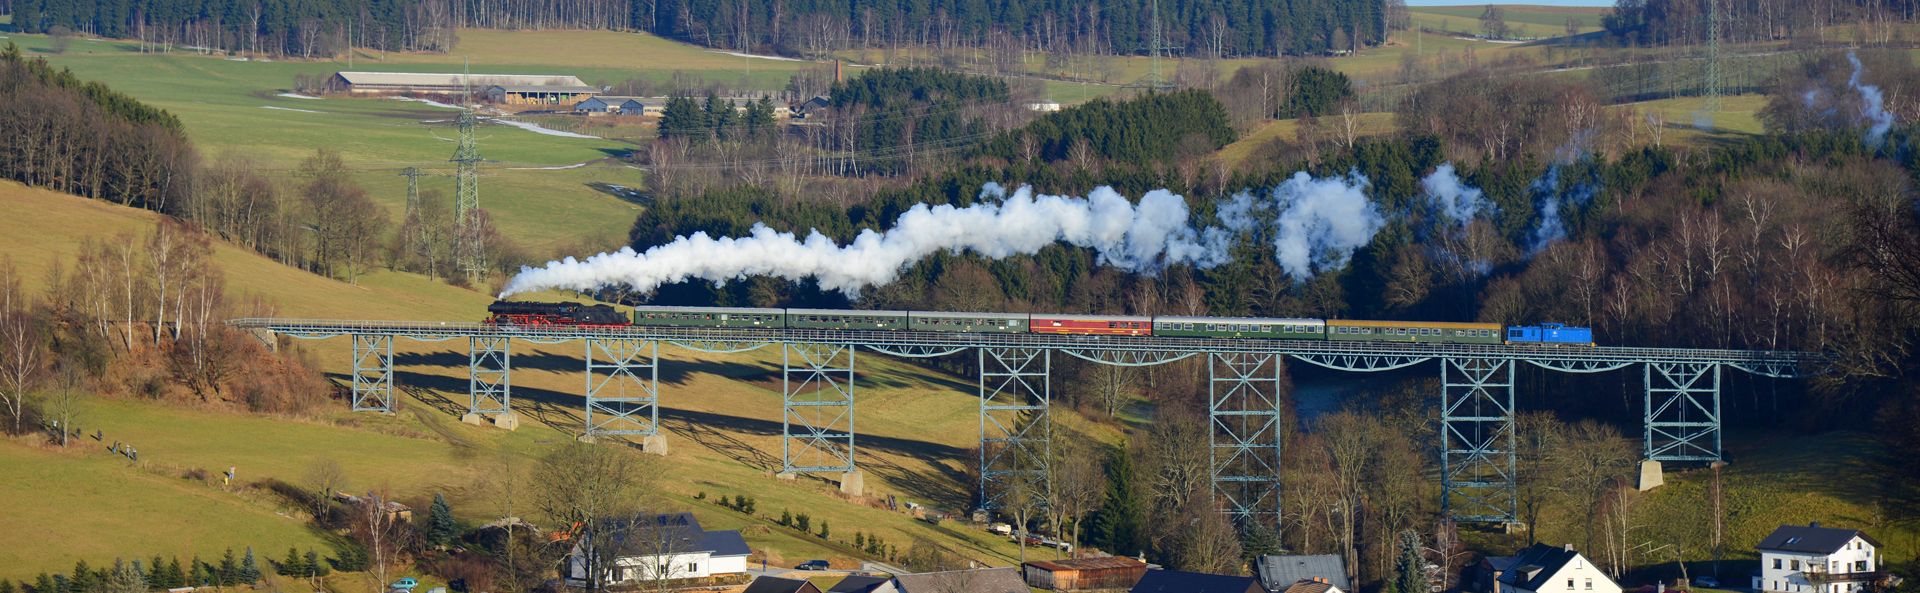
1687, 22
85, 139
1213, 28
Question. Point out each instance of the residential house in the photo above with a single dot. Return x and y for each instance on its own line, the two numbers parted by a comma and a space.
979, 580
1108, 572
1279, 573
1482, 577
671, 546
858, 584
780, 585
1542, 568
1814, 559
1313, 586
1175, 581
810, 107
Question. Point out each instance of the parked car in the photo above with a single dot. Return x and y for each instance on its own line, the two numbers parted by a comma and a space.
814, 565
405, 584
1708, 582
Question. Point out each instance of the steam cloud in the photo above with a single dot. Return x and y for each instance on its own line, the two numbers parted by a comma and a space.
1453, 198
1319, 223
1552, 227
1872, 104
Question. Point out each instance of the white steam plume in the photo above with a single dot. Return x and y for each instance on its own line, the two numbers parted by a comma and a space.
1140, 238
1317, 223
1872, 104
1453, 198
1551, 227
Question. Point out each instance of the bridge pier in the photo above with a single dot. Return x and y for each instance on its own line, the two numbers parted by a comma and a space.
1682, 411
490, 381
1243, 393
1477, 440
623, 390
817, 408
1016, 425
372, 373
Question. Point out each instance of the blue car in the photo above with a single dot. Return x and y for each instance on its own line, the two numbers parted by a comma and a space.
1550, 334
406, 584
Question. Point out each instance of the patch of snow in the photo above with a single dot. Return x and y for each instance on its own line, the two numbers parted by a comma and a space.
296, 96
556, 168
763, 57
427, 101
539, 129
279, 108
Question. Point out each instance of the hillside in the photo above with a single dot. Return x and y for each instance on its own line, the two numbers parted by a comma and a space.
916, 429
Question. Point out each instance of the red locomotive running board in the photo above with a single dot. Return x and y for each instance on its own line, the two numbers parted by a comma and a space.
1092, 326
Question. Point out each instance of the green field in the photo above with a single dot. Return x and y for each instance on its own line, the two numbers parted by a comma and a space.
1524, 21
721, 413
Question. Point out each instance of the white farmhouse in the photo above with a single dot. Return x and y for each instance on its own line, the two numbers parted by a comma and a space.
1546, 569
669, 546
1814, 559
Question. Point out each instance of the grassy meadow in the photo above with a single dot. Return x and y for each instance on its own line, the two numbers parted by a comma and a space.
1524, 21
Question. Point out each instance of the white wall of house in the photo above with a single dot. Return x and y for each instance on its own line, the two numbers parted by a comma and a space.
1785, 572
678, 566
1577, 576
726, 565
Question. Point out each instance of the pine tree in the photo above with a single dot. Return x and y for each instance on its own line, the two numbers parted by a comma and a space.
157, 575
229, 571
1409, 574
83, 579
43, 584
440, 526
199, 574
249, 569
123, 578
294, 565
859, 543
681, 118
824, 530
176, 576
62, 584
6, 586
786, 518
316, 568
1116, 526
1256, 540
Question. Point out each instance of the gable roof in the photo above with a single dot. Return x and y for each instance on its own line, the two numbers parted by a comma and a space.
686, 534
1533, 566
1811, 539
455, 79
1280, 572
981, 580
1174, 581
1091, 563
857, 584
1312, 587
780, 585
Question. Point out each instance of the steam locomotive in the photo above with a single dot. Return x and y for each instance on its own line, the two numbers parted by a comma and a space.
531, 314
570, 314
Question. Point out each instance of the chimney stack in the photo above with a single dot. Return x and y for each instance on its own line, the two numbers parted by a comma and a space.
1569, 547
839, 75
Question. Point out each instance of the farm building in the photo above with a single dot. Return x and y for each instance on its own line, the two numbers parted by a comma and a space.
1278, 573
532, 94
1111, 572
611, 104
433, 83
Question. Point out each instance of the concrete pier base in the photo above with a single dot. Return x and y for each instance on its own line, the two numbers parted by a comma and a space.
474, 419
787, 475
655, 444
1650, 475
507, 420
853, 483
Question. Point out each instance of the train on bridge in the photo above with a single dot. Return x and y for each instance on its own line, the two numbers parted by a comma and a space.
533, 314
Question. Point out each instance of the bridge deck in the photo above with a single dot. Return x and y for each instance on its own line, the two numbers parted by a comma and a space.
1768, 362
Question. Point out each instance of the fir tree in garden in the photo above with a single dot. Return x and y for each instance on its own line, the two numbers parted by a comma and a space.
1116, 526
229, 571
83, 579
200, 574
176, 576
316, 568
825, 530
249, 569
1409, 574
157, 574
441, 528
294, 565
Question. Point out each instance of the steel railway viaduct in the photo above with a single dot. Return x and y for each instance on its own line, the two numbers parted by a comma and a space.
1682, 419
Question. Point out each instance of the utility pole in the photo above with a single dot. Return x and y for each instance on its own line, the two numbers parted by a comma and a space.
1716, 20
469, 253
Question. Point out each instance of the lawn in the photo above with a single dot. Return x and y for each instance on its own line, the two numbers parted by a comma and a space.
721, 414
1526, 21
1368, 124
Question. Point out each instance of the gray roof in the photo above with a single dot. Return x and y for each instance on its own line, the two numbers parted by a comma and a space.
544, 88
1810, 539
1534, 565
1279, 572
1174, 581
857, 584
455, 79
688, 536
981, 580
779, 585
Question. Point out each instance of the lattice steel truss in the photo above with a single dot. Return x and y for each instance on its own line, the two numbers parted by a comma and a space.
372, 373
1683, 412
1016, 427
1477, 448
489, 375
1244, 402
623, 387
817, 428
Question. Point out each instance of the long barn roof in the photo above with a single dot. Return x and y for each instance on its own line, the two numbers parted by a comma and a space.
455, 79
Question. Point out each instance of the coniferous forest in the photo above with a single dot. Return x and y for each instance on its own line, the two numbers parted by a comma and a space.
796, 27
